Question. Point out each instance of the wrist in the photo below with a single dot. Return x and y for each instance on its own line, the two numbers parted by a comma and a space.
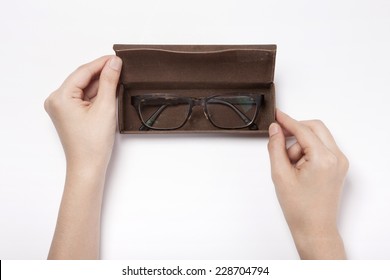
91, 174
87, 159
325, 243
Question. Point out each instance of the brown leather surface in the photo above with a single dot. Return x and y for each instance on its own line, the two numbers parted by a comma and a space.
197, 71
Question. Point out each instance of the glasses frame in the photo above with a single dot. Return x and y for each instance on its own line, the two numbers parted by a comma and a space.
197, 101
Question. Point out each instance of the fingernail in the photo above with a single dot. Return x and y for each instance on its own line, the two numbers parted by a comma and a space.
115, 63
273, 129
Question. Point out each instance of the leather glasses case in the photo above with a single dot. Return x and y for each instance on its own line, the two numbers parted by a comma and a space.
196, 71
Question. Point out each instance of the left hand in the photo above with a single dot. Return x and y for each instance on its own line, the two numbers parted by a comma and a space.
83, 111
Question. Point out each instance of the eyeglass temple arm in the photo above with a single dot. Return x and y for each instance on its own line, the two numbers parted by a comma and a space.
153, 118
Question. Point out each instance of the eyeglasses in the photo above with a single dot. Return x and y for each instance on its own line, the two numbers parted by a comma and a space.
159, 111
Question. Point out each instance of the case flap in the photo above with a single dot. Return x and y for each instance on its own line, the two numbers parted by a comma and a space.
192, 66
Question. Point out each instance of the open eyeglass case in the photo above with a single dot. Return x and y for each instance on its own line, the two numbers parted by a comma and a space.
196, 72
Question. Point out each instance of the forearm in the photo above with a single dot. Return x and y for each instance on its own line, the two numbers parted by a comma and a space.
77, 234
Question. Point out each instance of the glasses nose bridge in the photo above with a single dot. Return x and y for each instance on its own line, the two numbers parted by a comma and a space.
199, 101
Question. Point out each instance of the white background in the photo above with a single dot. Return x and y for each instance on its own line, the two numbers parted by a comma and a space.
196, 197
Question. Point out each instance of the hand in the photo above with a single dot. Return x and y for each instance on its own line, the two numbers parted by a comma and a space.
83, 112
308, 178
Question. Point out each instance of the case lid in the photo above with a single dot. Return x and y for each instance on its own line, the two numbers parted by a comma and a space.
196, 65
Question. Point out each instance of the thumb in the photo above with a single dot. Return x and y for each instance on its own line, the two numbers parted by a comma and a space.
108, 80
280, 163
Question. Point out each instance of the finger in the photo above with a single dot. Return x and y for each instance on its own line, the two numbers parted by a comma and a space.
300, 163
295, 152
91, 90
305, 137
83, 75
323, 133
280, 163
108, 80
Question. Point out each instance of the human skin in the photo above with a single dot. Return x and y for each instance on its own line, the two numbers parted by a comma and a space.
308, 176
83, 111
308, 179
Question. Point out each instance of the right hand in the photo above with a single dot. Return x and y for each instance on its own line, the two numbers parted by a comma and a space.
308, 179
